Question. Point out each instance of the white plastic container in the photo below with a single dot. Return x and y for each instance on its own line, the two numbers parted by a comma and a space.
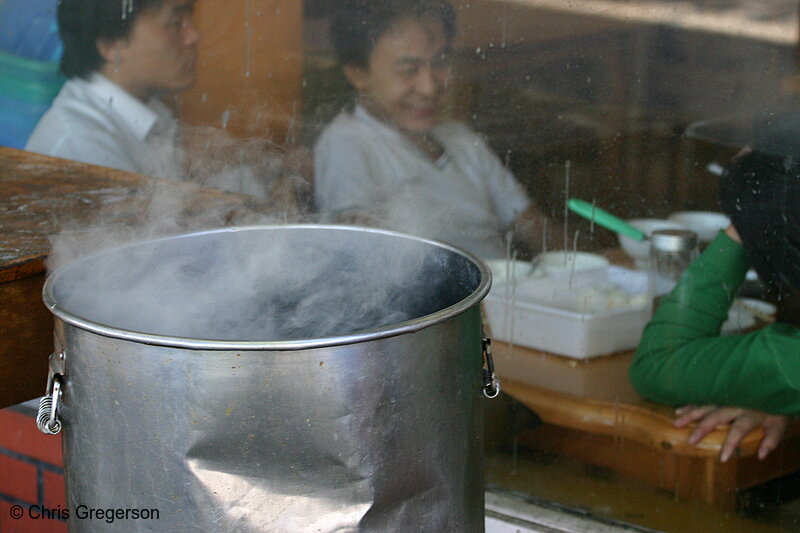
580, 315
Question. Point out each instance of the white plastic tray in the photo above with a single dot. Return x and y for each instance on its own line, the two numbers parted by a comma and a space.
565, 314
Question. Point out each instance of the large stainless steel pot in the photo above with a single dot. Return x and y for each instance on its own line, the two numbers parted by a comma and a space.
216, 420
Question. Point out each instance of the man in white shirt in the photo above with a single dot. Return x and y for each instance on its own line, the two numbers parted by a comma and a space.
390, 161
119, 57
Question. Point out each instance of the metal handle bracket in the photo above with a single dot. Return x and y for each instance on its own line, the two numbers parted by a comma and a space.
47, 419
491, 383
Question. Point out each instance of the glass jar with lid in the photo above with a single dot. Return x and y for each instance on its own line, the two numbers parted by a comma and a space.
671, 252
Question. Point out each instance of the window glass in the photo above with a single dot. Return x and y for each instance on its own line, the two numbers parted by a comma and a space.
636, 107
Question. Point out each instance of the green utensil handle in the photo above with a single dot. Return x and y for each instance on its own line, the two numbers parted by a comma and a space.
605, 219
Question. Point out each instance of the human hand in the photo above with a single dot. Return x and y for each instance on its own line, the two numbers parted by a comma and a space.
742, 422
733, 234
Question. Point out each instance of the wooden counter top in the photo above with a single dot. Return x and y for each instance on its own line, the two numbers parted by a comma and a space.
42, 196
637, 440
770, 22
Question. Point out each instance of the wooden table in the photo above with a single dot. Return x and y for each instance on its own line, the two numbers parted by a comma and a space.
637, 439
42, 196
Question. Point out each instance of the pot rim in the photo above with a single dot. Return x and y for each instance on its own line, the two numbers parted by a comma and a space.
399, 328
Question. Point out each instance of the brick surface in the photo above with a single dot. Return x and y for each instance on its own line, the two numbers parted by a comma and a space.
54, 490
17, 479
26, 524
18, 433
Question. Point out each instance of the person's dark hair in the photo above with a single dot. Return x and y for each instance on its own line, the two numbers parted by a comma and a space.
356, 25
82, 23
761, 194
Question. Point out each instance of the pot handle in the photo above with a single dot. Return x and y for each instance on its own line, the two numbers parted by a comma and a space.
48, 423
491, 383
47, 420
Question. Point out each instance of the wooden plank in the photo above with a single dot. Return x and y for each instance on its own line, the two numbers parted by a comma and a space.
625, 457
249, 70
688, 478
691, 478
41, 196
26, 340
638, 441
493, 20
645, 422
600, 378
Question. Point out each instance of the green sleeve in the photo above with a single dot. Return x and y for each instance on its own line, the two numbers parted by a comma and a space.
682, 358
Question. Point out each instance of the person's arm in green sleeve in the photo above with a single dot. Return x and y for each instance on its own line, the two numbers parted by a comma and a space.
682, 358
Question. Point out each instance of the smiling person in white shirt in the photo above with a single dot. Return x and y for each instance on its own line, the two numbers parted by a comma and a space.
120, 57
390, 160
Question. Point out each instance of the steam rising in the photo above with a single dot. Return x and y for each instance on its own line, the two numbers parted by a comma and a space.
269, 186
254, 166
262, 284
265, 283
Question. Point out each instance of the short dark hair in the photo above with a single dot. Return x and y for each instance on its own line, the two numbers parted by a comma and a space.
356, 25
82, 23
761, 194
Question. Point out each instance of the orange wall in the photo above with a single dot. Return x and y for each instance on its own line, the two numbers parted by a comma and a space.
249, 68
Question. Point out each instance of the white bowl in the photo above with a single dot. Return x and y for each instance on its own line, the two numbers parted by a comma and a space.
705, 223
556, 262
640, 250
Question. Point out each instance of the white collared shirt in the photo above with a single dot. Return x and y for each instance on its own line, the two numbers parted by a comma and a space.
466, 197
96, 121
